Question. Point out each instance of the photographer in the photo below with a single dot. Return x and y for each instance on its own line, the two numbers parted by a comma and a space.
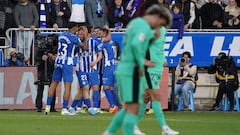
45, 57
14, 58
187, 77
226, 75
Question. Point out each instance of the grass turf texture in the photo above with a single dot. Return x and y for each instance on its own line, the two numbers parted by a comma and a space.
187, 123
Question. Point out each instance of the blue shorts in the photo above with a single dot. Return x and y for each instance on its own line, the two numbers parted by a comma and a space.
63, 71
88, 79
108, 77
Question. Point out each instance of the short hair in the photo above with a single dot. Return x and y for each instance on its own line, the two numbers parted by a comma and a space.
187, 53
222, 54
161, 11
72, 24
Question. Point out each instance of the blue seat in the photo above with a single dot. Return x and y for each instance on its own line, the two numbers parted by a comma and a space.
191, 105
224, 104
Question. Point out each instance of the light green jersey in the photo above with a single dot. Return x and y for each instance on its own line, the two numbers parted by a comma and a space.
136, 42
156, 49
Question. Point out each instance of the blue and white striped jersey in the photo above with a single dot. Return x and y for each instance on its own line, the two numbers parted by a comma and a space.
86, 57
109, 52
66, 45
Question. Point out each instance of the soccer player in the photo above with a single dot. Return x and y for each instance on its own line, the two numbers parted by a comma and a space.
130, 70
63, 67
87, 74
108, 78
153, 76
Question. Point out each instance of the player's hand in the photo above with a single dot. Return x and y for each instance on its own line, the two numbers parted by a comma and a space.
146, 97
140, 72
54, 57
156, 34
93, 64
149, 63
44, 57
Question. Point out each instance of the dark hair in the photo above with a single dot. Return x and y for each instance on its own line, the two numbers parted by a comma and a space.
187, 53
72, 24
161, 11
177, 6
105, 31
222, 54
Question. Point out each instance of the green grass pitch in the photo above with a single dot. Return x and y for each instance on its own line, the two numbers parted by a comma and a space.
187, 123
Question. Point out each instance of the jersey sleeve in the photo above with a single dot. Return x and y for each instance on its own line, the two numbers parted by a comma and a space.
78, 42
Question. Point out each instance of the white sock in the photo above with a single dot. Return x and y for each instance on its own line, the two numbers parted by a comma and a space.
48, 107
165, 127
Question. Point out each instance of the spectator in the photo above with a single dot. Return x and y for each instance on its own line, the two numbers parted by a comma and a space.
95, 13
212, 15
238, 3
231, 15
188, 11
199, 3
197, 24
226, 75
60, 14
187, 76
14, 58
149, 3
6, 17
78, 14
134, 8
222, 3
44, 14
118, 15
26, 16
178, 20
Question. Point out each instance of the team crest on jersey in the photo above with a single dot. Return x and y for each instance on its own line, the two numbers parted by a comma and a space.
141, 37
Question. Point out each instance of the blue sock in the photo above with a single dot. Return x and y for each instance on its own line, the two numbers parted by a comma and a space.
108, 94
150, 104
87, 102
80, 102
99, 101
114, 96
49, 100
65, 104
74, 103
95, 98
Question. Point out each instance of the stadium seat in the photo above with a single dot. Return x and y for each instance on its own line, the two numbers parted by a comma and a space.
191, 105
224, 104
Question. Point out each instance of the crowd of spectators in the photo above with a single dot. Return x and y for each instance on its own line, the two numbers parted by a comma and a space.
117, 13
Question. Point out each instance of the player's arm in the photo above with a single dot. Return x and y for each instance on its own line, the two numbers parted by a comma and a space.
138, 45
108, 37
99, 57
82, 44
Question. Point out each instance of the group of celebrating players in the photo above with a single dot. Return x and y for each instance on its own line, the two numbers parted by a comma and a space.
92, 50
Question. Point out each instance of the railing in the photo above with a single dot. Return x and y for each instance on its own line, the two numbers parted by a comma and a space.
23, 40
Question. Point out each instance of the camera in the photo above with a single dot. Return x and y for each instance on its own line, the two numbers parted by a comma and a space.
18, 55
182, 61
223, 62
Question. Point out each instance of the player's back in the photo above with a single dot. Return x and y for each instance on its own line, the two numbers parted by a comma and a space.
66, 46
136, 40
